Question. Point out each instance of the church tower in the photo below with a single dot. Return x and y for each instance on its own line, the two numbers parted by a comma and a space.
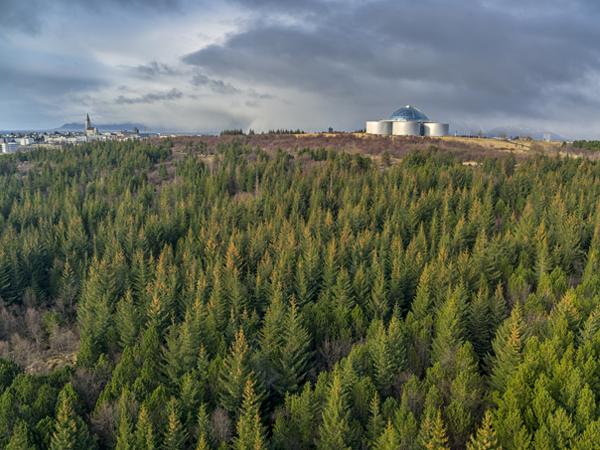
89, 129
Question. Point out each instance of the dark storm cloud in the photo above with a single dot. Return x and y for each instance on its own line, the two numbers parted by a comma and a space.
151, 97
476, 56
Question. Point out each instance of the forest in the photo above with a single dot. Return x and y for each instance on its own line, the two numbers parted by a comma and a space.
308, 299
593, 146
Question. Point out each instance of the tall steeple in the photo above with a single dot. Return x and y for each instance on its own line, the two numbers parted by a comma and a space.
88, 122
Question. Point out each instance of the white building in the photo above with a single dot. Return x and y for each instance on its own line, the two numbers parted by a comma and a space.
24, 141
407, 121
9, 147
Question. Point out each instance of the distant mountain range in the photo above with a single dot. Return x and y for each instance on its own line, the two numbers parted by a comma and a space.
110, 127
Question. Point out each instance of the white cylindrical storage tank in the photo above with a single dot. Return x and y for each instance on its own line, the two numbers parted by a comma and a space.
372, 127
382, 127
436, 129
411, 128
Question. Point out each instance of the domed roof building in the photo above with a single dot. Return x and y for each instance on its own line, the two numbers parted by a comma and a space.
408, 114
408, 121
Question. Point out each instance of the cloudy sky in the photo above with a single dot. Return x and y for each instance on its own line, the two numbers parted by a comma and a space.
199, 65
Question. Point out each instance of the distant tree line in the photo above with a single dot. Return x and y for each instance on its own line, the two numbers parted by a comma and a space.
233, 132
251, 132
587, 145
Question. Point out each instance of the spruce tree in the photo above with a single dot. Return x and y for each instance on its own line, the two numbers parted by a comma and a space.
144, 431
388, 440
381, 357
20, 438
485, 438
203, 429
433, 433
376, 422
271, 338
126, 320
250, 435
334, 428
125, 440
295, 351
175, 435
507, 351
70, 431
449, 329
234, 374
379, 303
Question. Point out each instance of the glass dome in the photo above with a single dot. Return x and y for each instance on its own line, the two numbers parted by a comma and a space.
408, 114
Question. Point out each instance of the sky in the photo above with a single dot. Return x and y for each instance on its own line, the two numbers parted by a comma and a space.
208, 65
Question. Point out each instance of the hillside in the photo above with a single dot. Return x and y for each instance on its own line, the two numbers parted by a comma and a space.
299, 292
396, 147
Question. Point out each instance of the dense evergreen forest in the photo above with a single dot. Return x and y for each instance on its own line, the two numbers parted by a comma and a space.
297, 300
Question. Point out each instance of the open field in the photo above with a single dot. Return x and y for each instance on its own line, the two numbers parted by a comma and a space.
464, 148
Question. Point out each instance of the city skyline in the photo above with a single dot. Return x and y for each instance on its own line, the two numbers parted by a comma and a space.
197, 66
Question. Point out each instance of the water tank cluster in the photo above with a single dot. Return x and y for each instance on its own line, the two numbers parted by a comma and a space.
407, 121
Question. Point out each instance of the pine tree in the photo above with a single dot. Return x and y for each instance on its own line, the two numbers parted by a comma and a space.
480, 321
379, 304
295, 351
202, 443
419, 323
173, 366
507, 350
334, 428
396, 341
485, 438
126, 320
464, 396
94, 314
376, 422
250, 435
295, 426
310, 268
404, 420
380, 352
389, 439
361, 286
20, 438
70, 431
175, 436
271, 338
68, 287
433, 433
342, 304
125, 439
216, 311
234, 374
590, 438
144, 432
203, 429
149, 375
189, 397
449, 329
